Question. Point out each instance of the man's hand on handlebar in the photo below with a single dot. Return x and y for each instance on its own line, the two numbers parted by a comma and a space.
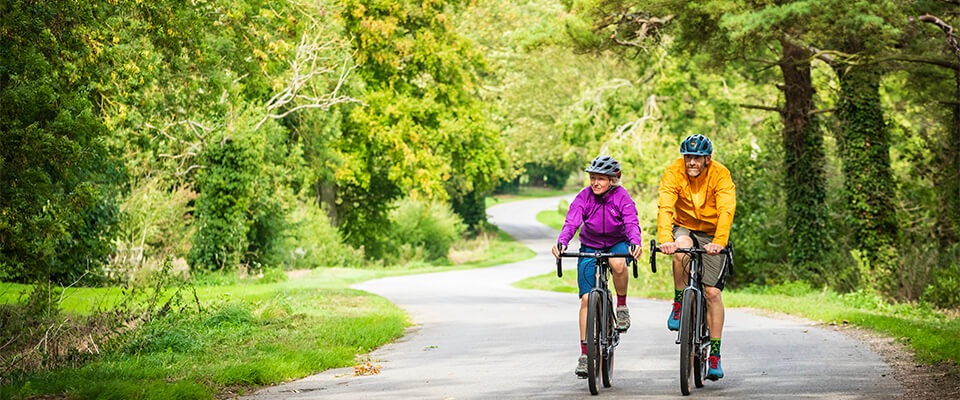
668, 247
713, 248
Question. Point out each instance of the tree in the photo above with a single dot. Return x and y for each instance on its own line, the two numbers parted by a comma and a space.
58, 205
719, 33
421, 129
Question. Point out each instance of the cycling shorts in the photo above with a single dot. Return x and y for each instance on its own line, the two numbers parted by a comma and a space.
714, 271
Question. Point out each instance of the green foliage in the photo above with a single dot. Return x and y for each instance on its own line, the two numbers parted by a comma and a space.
944, 290
422, 129
233, 161
155, 227
57, 201
429, 226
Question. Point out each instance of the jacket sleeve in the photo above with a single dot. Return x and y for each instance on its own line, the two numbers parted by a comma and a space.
631, 221
573, 220
666, 203
726, 194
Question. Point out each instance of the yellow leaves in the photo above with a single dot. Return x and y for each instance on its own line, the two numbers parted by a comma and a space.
366, 369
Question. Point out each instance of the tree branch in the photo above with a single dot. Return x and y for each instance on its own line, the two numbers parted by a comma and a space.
757, 107
946, 28
305, 67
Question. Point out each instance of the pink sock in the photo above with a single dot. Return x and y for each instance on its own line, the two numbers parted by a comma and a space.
621, 300
583, 348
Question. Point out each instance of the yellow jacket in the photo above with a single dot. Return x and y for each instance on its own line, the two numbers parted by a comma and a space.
705, 203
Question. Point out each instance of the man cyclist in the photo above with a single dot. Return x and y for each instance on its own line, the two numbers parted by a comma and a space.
697, 200
607, 218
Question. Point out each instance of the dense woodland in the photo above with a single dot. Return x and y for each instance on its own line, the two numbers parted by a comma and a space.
215, 135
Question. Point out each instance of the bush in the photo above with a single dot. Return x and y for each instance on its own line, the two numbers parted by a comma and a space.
313, 242
945, 289
155, 227
429, 226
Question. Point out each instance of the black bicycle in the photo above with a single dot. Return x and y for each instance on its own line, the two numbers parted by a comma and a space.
693, 337
602, 336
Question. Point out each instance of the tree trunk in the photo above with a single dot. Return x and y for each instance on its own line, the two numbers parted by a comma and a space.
804, 160
948, 179
868, 179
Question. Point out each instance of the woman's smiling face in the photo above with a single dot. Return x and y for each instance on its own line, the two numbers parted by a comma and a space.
600, 183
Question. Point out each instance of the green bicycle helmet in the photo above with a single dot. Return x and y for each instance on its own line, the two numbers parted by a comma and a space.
604, 165
697, 145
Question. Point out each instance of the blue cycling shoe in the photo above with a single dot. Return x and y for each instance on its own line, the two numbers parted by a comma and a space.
673, 320
715, 371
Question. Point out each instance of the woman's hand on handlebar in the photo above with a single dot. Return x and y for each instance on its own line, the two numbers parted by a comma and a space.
636, 251
559, 248
668, 247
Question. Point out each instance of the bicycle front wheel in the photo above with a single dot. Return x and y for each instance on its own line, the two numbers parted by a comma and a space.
688, 351
606, 346
594, 351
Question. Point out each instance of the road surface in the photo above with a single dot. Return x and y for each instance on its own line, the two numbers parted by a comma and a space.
477, 337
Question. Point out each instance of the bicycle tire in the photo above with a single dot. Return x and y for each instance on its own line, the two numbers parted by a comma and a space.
607, 346
699, 369
594, 352
700, 360
688, 317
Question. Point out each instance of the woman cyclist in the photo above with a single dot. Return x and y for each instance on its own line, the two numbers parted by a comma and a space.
607, 218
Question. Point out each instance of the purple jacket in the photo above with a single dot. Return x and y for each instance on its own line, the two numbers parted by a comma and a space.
607, 220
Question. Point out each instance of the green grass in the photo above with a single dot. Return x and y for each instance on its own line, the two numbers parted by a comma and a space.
250, 334
933, 335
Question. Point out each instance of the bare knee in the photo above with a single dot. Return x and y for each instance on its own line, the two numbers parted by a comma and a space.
618, 265
713, 295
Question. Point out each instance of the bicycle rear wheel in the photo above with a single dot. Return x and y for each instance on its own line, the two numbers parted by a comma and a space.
594, 351
688, 317
607, 347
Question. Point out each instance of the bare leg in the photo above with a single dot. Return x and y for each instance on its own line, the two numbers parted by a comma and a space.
679, 263
583, 317
620, 275
715, 312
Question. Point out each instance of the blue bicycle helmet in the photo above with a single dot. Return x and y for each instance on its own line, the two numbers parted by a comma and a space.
697, 145
604, 165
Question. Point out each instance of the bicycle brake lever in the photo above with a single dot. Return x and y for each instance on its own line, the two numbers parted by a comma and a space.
559, 267
653, 255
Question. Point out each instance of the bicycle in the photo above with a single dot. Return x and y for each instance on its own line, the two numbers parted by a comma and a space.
694, 336
602, 337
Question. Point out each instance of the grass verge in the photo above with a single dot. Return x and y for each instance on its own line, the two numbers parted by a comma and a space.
226, 339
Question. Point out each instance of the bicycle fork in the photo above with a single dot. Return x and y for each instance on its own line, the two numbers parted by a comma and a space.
699, 329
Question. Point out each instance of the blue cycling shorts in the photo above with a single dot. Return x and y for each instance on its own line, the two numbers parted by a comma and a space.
587, 266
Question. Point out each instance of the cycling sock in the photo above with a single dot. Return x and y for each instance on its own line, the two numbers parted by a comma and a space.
583, 347
714, 346
621, 300
677, 295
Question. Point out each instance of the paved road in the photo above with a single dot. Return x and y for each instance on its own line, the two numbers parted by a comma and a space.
477, 337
